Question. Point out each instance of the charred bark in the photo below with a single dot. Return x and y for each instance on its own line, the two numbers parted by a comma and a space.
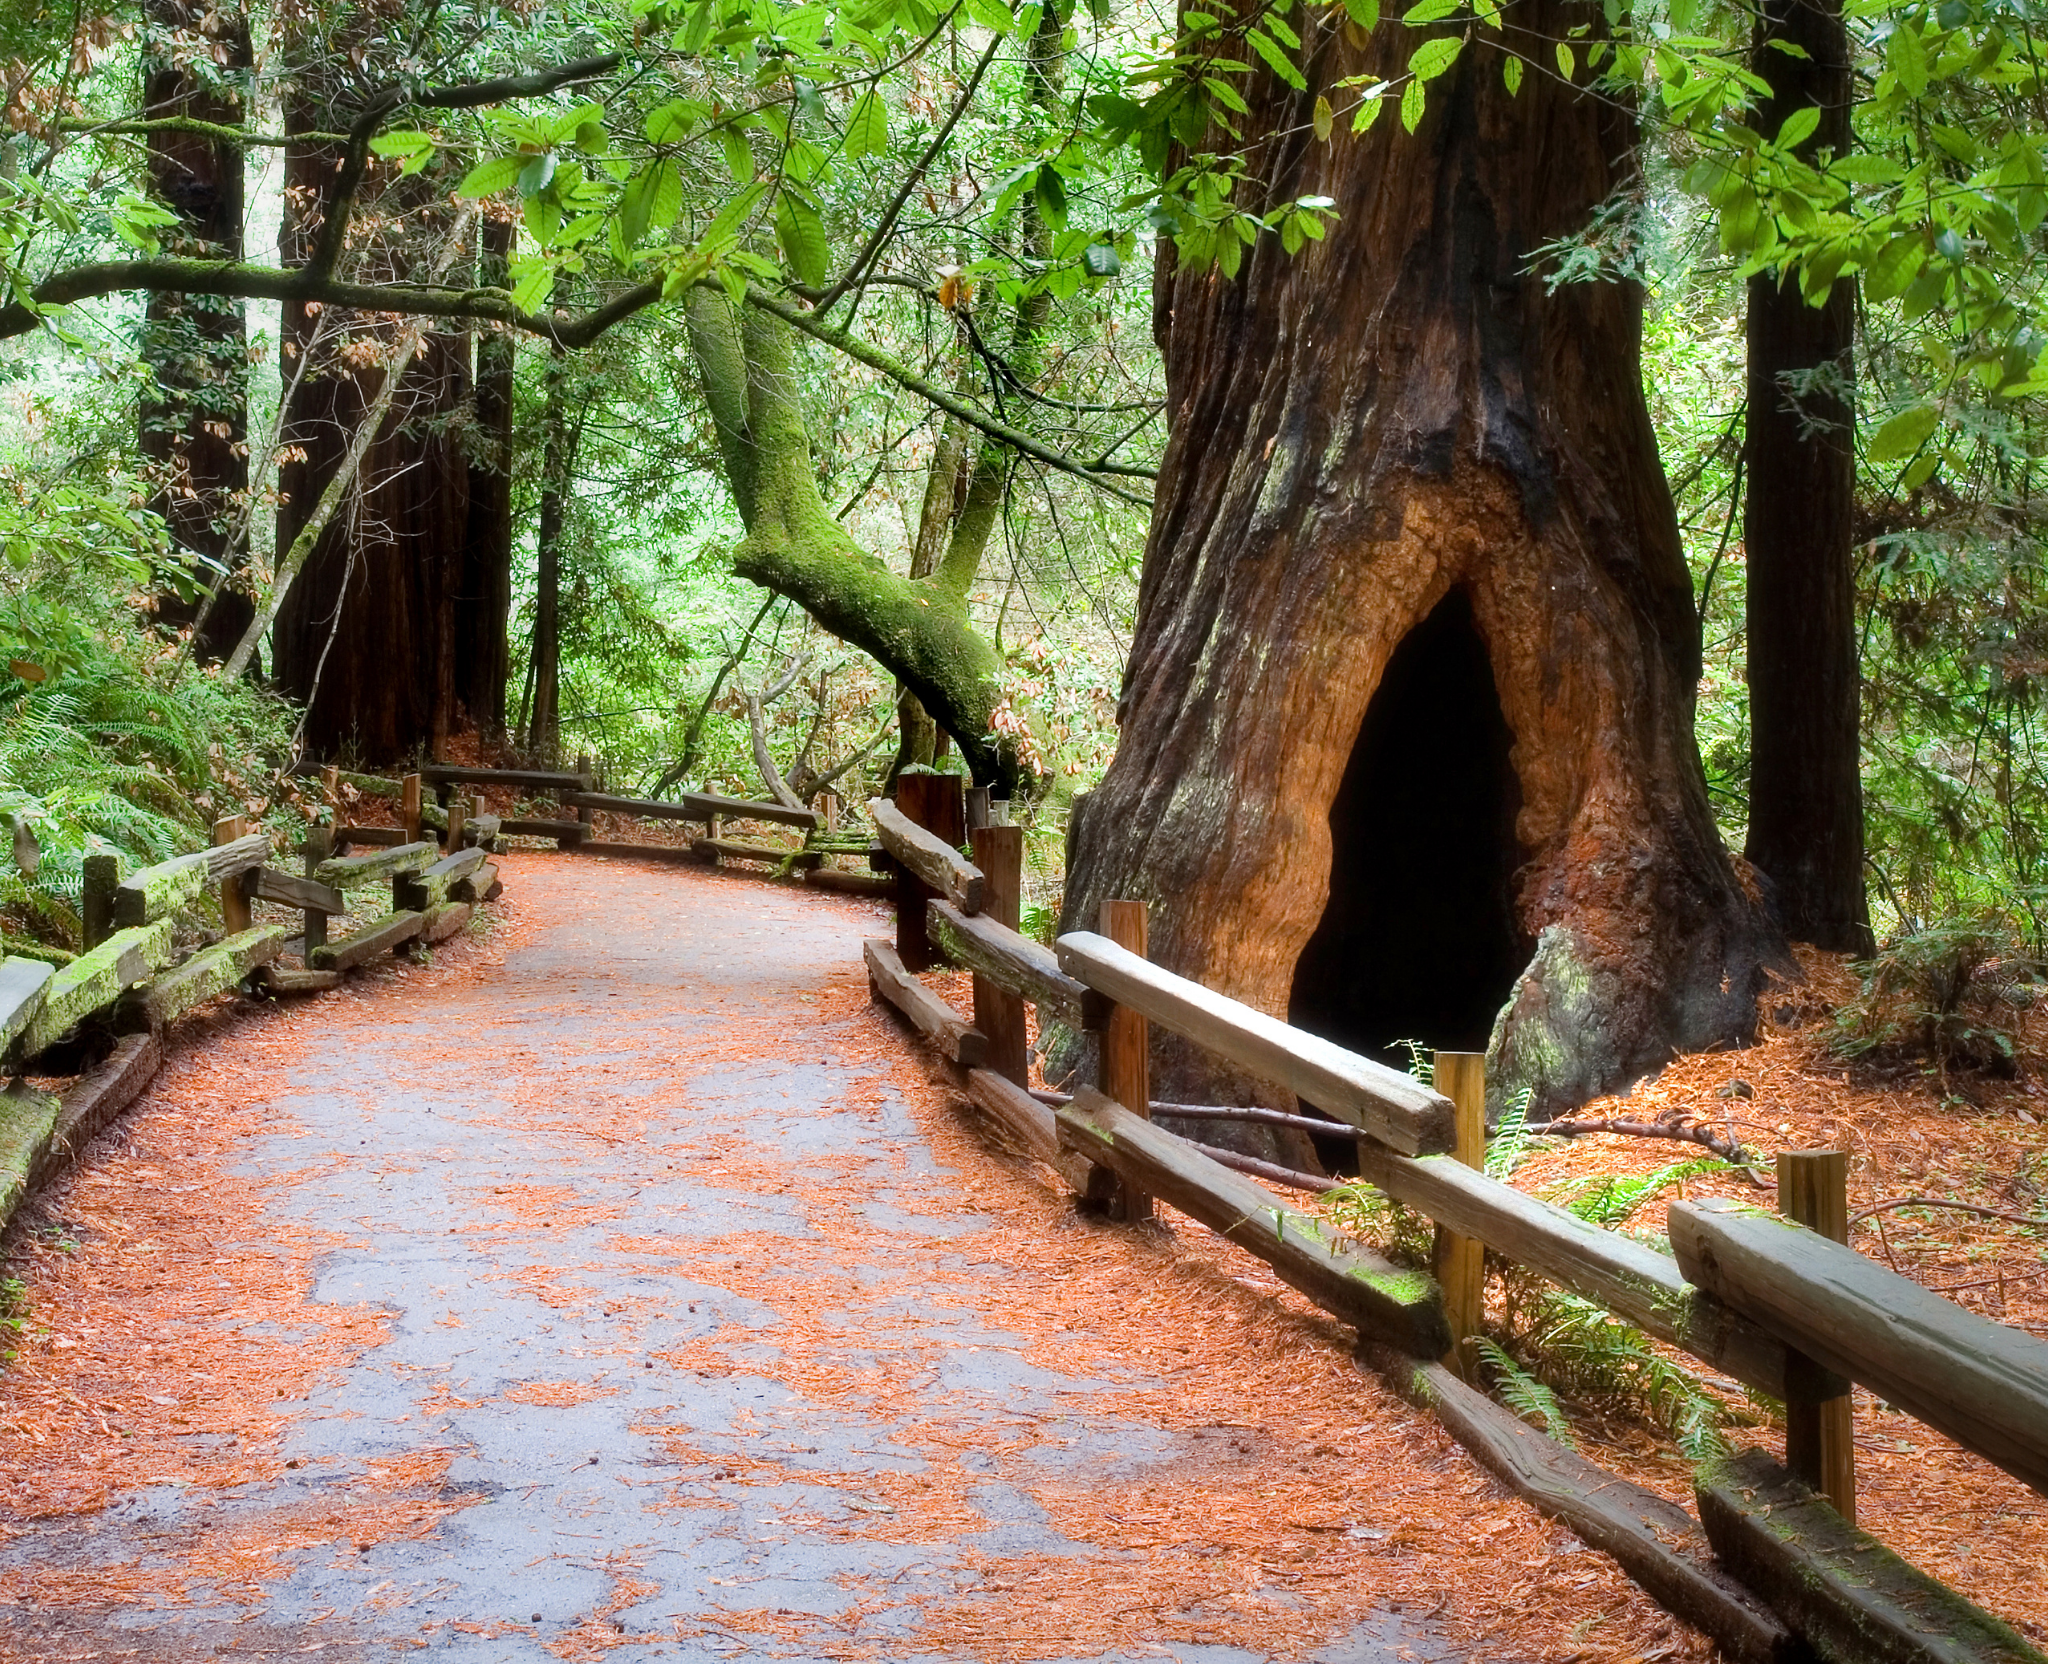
1397, 413
194, 420
1805, 773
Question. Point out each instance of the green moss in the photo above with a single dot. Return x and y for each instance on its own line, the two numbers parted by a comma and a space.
27, 1119
159, 891
1406, 1288
95, 980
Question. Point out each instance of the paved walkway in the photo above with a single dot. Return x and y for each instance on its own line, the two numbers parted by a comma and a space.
622, 1284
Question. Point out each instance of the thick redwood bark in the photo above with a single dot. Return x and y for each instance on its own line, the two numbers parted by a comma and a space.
558, 451
366, 635
1805, 775
1396, 413
194, 425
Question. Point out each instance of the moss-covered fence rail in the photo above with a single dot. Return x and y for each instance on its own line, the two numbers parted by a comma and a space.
154, 950
733, 826
1769, 1568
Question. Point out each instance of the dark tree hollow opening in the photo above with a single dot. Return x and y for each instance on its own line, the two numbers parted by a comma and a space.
1419, 940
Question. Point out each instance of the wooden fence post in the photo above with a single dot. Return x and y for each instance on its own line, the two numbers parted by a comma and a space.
234, 906
1461, 1260
409, 807
935, 802
977, 811
96, 913
999, 1014
586, 784
458, 816
1820, 1426
1126, 1044
319, 845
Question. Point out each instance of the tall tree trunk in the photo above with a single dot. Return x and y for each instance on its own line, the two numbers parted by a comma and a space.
194, 421
1398, 435
544, 732
1805, 777
484, 587
364, 636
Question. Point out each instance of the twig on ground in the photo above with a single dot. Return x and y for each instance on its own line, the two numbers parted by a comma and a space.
1959, 1207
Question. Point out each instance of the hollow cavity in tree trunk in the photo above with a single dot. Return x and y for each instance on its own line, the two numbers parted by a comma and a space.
1419, 939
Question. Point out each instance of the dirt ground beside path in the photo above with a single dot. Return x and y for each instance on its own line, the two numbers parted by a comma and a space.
620, 1284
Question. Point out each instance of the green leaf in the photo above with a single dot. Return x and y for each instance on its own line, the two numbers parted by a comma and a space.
1325, 118
1429, 11
1567, 63
1276, 60
1101, 260
1411, 105
739, 155
1798, 127
537, 174
1904, 434
800, 228
1050, 191
867, 127
1365, 13
674, 122
1368, 112
500, 173
1896, 265
1432, 58
405, 143
1906, 57
1511, 74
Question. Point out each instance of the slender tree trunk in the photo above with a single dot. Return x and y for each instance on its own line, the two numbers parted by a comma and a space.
194, 421
484, 588
543, 735
1805, 777
1398, 434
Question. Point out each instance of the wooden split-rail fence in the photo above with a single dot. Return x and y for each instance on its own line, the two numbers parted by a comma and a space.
579, 798
130, 982
1773, 1566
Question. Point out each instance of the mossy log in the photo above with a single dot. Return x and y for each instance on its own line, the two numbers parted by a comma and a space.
1404, 1309
711, 850
92, 1101
284, 979
344, 870
1853, 1599
417, 892
159, 891
481, 831
444, 920
27, 1118
379, 936
95, 980
209, 972
479, 886
23, 983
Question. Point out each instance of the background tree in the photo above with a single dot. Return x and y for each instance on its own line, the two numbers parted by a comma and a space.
1805, 776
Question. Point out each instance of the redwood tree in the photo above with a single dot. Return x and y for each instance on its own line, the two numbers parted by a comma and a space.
194, 420
367, 635
1805, 774
1398, 428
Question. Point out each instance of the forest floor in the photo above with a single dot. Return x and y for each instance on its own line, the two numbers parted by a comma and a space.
1975, 1140
622, 1284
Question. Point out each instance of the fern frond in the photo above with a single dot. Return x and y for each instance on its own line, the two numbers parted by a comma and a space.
1523, 1393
